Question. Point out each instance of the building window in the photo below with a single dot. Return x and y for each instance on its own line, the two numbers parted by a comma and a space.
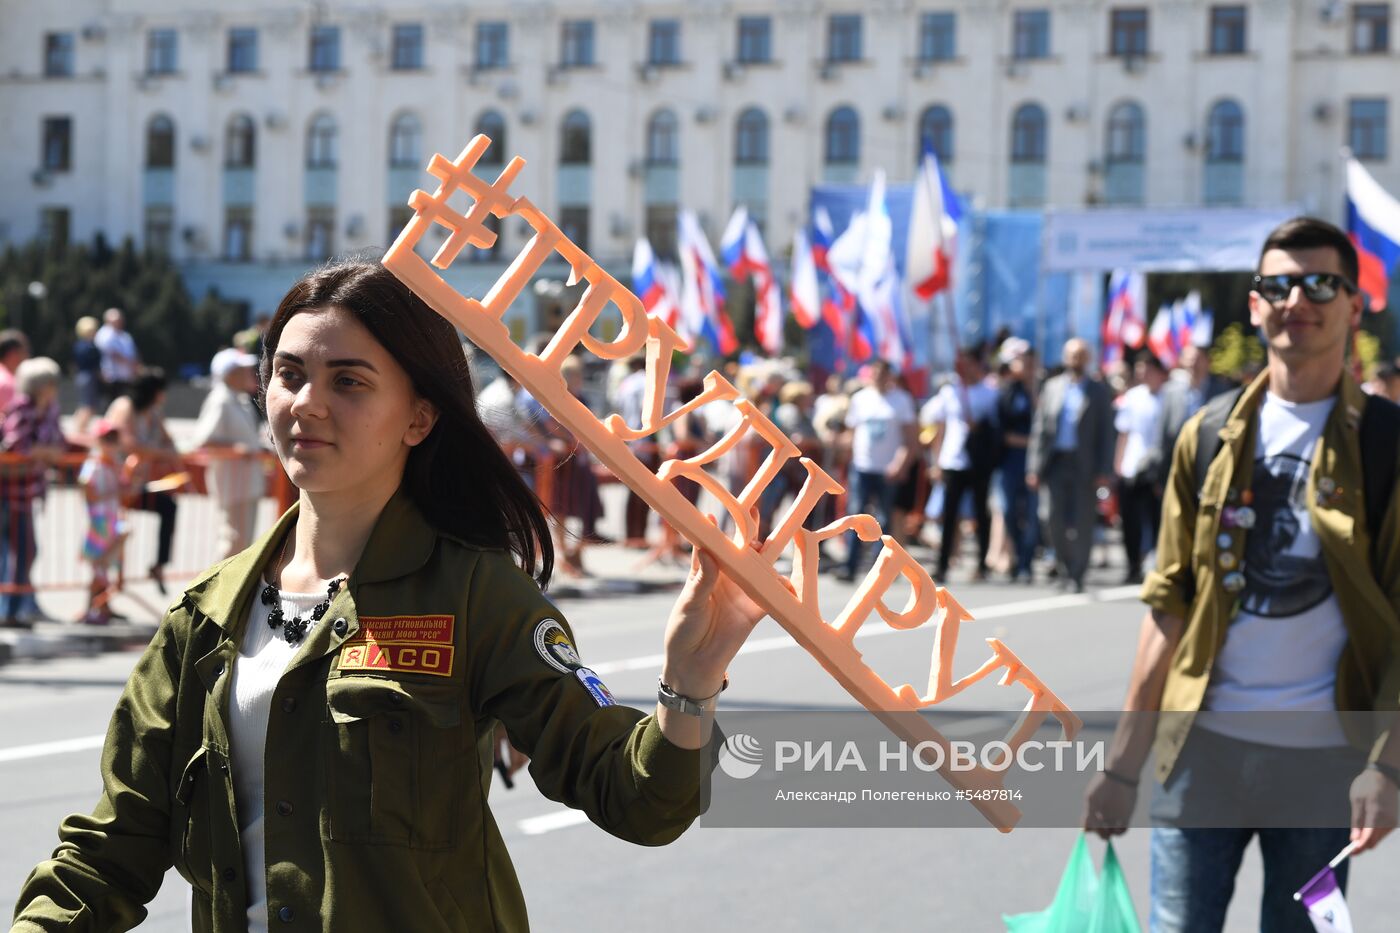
1127, 32
492, 125
240, 149
751, 138
664, 42
53, 226
938, 37
57, 152
663, 139
842, 137
160, 228
661, 229
492, 45
405, 142
576, 139
325, 48
399, 216
936, 131
58, 55
1030, 34
755, 40
1028, 134
320, 232
577, 51
242, 50
1225, 133
482, 253
573, 221
1127, 134
321, 142
161, 52
160, 142
1366, 127
407, 47
238, 234
843, 38
1370, 27
1227, 30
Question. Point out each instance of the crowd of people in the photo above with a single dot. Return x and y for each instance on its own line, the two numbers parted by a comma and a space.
1023, 463
1027, 464
117, 449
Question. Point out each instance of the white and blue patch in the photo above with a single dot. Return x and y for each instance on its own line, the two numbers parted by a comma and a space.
595, 687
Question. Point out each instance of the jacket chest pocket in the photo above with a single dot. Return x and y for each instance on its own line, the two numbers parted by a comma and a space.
189, 823
395, 762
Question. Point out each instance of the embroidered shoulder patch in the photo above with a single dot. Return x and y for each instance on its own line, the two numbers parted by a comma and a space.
595, 687
554, 648
405, 644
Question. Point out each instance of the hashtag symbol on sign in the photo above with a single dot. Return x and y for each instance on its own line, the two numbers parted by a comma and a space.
488, 198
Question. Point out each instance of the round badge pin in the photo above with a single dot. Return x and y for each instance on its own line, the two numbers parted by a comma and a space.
1224, 541
1227, 560
1244, 517
1233, 582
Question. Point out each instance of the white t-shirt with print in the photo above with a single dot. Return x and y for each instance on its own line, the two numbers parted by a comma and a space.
951, 407
878, 424
1281, 649
1138, 416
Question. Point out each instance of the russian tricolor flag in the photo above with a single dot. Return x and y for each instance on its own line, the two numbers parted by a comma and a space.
702, 289
1373, 223
933, 229
1125, 325
806, 289
656, 288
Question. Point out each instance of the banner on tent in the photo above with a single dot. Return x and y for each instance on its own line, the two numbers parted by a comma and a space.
1212, 239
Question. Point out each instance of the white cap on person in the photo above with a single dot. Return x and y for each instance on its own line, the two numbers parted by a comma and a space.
229, 359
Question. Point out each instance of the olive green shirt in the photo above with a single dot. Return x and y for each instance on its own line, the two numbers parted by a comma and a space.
1188, 582
379, 752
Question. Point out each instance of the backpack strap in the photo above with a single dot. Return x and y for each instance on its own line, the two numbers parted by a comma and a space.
1218, 412
1380, 438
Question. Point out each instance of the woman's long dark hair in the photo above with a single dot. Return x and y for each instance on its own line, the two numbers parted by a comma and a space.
458, 476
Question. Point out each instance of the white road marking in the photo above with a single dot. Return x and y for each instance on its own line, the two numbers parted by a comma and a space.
985, 613
559, 819
44, 749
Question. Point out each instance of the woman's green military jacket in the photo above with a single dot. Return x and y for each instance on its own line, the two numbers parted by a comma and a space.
378, 758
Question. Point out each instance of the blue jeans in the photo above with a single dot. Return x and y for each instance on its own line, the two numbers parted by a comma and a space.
866, 489
1022, 505
1193, 875
1222, 793
17, 552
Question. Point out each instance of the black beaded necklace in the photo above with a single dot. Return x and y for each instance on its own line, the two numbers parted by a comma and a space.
294, 629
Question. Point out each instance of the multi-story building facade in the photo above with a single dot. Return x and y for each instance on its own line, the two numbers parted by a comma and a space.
280, 132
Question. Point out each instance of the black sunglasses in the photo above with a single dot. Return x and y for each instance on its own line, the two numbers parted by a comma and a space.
1319, 287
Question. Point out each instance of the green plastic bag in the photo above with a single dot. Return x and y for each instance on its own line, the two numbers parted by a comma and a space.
1084, 902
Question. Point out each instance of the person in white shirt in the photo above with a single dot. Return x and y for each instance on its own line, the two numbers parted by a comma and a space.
230, 431
120, 359
883, 438
1138, 422
963, 416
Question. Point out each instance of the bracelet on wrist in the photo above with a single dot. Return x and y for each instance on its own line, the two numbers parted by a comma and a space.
1120, 778
681, 703
1389, 771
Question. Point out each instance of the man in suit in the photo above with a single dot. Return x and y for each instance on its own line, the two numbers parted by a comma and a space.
1070, 456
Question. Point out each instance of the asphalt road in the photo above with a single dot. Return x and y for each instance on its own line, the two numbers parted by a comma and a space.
576, 877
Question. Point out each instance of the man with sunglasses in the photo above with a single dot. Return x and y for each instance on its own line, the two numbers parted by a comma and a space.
1274, 605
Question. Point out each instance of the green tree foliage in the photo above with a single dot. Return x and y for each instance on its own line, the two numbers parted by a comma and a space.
171, 328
